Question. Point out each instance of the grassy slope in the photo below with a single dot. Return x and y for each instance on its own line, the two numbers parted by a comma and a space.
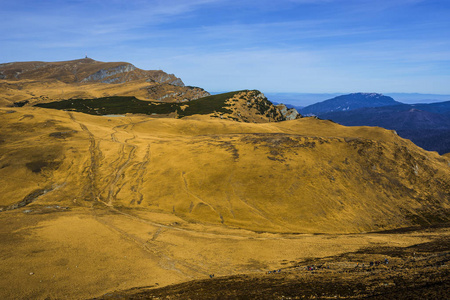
136, 201
304, 175
40, 91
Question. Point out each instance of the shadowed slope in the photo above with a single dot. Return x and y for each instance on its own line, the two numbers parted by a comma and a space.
427, 125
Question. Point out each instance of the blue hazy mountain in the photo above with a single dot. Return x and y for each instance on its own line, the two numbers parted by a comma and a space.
427, 125
348, 102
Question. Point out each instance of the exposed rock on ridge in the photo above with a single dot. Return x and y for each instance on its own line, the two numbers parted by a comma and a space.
289, 114
102, 75
252, 106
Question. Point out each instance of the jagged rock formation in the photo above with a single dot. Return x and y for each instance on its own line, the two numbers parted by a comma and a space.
252, 106
38, 82
289, 114
171, 93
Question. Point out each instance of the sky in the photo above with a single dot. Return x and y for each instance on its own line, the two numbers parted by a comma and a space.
303, 46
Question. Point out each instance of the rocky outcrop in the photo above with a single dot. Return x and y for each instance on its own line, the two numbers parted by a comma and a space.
108, 75
172, 93
288, 114
252, 106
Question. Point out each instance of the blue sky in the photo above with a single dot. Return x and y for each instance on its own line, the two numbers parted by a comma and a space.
307, 46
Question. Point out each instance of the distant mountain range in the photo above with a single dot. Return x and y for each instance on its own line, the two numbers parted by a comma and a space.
427, 125
301, 100
349, 102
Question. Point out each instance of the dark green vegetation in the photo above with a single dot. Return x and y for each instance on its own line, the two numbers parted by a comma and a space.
122, 105
416, 272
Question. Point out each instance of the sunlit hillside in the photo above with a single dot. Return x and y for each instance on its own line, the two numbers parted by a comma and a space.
28, 83
304, 175
93, 204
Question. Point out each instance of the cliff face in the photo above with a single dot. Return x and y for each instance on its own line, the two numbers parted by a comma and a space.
110, 75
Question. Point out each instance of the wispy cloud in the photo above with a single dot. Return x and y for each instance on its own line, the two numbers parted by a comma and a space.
309, 45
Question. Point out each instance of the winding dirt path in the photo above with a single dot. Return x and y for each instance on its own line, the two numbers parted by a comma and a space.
95, 155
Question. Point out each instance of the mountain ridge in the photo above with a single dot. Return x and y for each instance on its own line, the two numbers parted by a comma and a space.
83, 70
242, 106
427, 125
348, 102
28, 83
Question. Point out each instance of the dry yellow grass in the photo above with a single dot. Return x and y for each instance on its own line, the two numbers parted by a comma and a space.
54, 90
121, 202
304, 175
87, 252
250, 107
